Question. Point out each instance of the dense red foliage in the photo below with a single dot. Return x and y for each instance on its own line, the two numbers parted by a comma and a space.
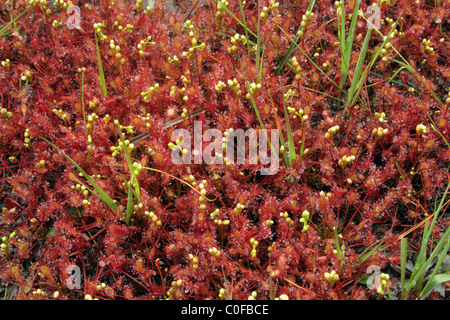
389, 187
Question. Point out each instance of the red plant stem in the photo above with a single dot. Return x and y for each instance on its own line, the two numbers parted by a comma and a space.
31, 214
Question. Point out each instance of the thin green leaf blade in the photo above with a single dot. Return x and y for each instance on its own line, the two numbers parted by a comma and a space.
403, 257
289, 131
100, 69
293, 43
101, 194
433, 283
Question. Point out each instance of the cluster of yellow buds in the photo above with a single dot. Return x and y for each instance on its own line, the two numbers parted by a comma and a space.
306, 17
101, 286
421, 129
40, 165
220, 7
174, 286
239, 208
237, 37
184, 113
253, 88
26, 138
304, 219
80, 188
26, 76
187, 54
60, 113
5, 63
98, 30
386, 48
219, 86
345, 160
218, 222
140, 6
6, 114
153, 217
39, 292
194, 261
234, 84
116, 48
272, 6
224, 144
254, 244
304, 23
296, 68
286, 217
331, 131
58, 3
147, 94
384, 278
289, 94
332, 277
222, 292
173, 59
43, 3
327, 195
428, 46
121, 146
4, 246
143, 43
379, 132
381, 117
297, 113
214, 251
91, 120
56, 24
94, 104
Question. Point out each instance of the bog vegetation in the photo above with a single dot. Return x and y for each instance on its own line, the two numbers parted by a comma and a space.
358, 92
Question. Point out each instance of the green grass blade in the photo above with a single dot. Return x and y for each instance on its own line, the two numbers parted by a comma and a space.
293, 42
224, 7
434, 279
289, 132
338, 247
434, 127
241, 7
101, 194
422, 263
403, 257
83, 105
358, 78
341, 34
4, 30
347, 49
418, 273
258, 41
359, 65
100, 68
225, 282
310, 60
369, 251
434, 282
129, 204
230, 36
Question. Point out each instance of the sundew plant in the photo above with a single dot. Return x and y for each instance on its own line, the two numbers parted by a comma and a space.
93, 205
